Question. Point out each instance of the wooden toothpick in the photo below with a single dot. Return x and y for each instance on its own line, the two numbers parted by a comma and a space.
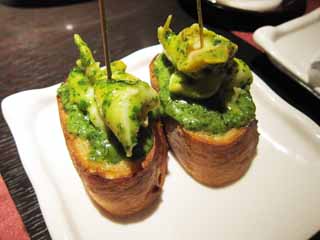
103, 26
200, 21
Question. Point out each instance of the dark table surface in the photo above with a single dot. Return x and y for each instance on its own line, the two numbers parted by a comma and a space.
37, 50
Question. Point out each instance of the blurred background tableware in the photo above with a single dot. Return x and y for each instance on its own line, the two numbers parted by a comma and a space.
294, 48
252, 5
222, 15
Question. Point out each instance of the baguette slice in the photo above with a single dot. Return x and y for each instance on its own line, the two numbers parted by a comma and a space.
125, 188
217, 160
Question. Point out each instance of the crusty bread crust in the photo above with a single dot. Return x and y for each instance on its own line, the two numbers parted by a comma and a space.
217, 160
121, 189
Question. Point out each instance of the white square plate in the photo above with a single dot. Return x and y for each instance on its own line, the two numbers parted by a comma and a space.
278, 198
293, 46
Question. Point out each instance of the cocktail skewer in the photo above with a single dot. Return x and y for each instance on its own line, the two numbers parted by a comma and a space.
200, 21
104, 31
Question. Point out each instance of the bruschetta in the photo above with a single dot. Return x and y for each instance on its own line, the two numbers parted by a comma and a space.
113, 135
208, 111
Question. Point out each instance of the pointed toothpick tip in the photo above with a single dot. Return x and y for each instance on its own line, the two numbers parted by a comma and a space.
104, 30
200, 21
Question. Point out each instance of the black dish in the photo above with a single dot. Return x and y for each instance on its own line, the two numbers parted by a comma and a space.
236, 19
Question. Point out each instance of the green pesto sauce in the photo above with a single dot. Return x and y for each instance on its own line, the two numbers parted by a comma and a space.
216, 115
104, 146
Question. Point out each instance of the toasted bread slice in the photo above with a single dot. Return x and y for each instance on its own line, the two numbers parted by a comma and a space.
120, 189
212, 160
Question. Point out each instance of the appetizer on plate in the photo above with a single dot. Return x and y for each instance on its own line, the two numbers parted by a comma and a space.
113, 134
209, 114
